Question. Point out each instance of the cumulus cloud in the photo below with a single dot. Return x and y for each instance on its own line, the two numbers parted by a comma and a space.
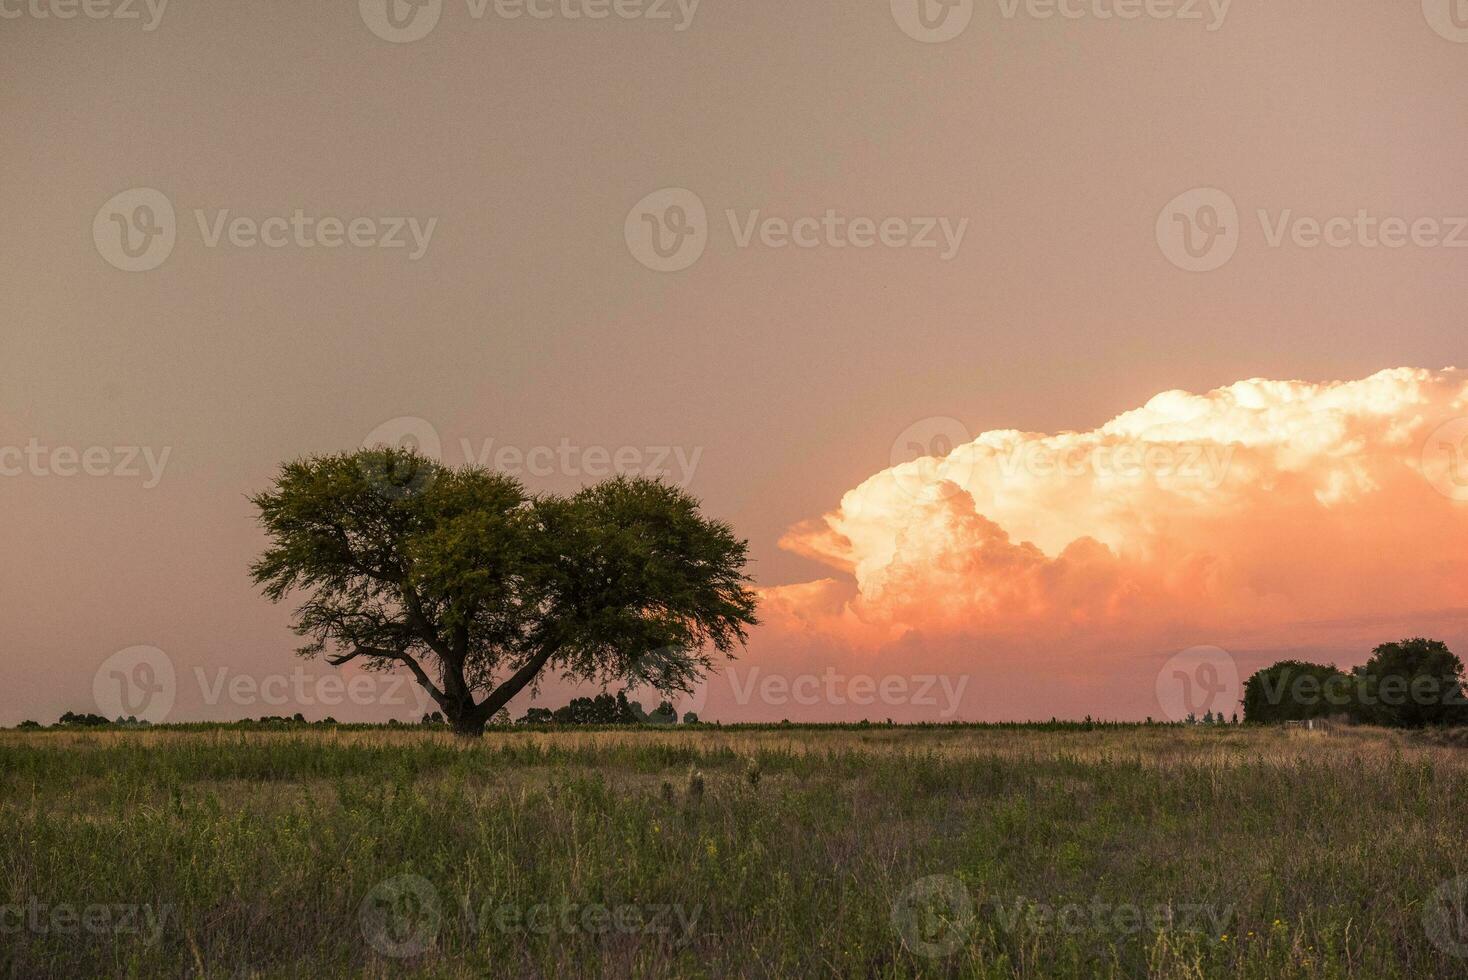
1268, 514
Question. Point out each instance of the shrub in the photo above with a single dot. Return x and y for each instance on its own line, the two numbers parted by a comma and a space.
1294, 690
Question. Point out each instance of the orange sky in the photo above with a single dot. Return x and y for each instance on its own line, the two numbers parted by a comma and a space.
1069, 172
1264, 517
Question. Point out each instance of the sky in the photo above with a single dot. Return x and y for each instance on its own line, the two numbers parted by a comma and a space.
780, 254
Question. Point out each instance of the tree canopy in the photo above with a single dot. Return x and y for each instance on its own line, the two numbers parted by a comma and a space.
1411, 683
1294, 690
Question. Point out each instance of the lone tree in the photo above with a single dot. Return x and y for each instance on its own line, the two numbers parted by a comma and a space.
477, 587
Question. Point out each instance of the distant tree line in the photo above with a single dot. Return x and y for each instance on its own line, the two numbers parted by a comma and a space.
1209, 718
81, 719
1411, 683
605, 709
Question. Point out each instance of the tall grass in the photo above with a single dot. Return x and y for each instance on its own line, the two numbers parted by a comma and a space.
1267, 853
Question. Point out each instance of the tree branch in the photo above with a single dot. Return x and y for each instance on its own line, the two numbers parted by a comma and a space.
402, 658
516, 682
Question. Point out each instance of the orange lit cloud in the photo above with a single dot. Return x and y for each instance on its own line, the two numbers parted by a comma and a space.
1266, 515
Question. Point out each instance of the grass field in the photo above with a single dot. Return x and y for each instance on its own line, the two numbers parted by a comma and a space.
764, 852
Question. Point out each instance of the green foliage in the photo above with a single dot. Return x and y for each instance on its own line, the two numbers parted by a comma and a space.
1410, 684
85, 719
604, 709
663, 714
477, 587
1294, 690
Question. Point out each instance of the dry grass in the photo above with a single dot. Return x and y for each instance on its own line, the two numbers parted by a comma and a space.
1298, 853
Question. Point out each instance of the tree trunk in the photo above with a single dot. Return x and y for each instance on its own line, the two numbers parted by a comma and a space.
468, 722
469, 718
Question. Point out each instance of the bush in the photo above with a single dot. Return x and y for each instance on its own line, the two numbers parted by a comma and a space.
1294, 690
73, 718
